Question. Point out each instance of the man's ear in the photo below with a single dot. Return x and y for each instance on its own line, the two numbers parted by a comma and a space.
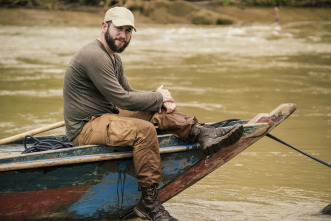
104, 26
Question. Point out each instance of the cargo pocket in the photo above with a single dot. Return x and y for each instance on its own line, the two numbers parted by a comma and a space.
99, 127
85, 134
121, 131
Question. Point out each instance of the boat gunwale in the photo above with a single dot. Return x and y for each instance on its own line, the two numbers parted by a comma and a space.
49, 162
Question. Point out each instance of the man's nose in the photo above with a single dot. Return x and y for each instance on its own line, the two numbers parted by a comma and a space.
122, 33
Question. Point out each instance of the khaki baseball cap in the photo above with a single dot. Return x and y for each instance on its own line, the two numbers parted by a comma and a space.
120, 16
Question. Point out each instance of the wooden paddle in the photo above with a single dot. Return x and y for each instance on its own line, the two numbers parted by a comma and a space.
32, 132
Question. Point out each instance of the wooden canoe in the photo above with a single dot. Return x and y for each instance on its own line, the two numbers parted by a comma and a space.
96, 182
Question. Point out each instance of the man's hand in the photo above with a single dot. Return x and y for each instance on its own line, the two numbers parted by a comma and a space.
169, 106
166, 94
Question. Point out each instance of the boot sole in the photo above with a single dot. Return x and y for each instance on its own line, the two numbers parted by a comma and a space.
142, 214
225, 141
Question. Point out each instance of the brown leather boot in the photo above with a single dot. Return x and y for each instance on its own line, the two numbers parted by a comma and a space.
150, 208
213, 139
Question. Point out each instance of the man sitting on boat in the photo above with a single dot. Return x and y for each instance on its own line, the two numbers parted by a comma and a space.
100, 107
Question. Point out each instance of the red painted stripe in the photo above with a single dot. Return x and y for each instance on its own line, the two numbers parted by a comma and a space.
15, 206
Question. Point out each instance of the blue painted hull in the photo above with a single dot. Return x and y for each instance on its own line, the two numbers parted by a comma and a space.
104, 189
98, 182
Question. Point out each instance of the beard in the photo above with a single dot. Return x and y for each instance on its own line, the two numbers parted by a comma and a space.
111, 43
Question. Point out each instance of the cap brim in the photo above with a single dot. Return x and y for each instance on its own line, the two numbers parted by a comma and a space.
123, 22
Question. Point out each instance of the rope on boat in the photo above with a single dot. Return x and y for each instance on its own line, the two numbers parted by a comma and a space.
300, 151
43, 145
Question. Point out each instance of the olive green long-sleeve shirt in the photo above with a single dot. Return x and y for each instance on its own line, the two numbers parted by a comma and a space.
94, 84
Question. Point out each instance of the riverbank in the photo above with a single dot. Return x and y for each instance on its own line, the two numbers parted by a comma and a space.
165, 13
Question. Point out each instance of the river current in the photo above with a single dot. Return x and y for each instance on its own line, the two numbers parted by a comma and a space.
214, 73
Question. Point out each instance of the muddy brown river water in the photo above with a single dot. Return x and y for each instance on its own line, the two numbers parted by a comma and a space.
214, 73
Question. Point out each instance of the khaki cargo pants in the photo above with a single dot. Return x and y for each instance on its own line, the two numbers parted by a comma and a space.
136, 129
